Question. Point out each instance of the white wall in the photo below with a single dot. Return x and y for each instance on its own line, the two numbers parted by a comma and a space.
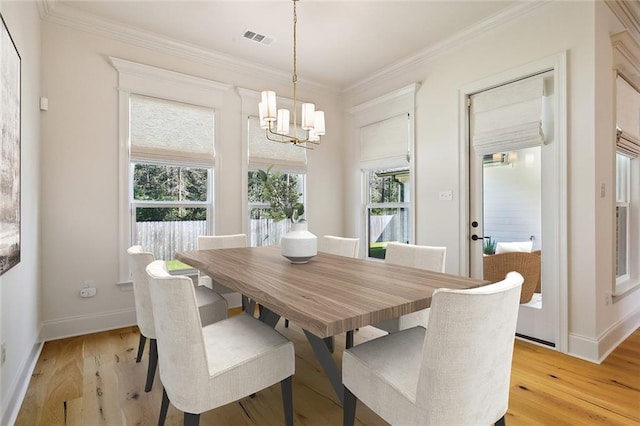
19, 287
553, 27
80, 171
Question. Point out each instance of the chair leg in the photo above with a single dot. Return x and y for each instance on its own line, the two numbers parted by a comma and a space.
191, 419
349, 408
286, 323
501, 422
153, 363
287, 400
164, 407
141, 347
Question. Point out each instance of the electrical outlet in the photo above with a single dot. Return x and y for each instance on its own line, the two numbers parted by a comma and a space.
607, 300
3, 353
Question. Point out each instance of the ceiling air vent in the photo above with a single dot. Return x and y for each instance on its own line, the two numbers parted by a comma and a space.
260, 38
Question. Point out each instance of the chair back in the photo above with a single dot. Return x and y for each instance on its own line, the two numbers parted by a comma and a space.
468, 348
181, 352
207, 242
414, 256
340, 246
496, 266
138, 261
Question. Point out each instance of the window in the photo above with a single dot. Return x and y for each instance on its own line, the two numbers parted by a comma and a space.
166, 160
171, 206
266, 223
622, 216
385, 164
275, 186
387, 209
627, 211
171, 158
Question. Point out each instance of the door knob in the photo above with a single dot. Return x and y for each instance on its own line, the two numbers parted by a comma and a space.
474, 237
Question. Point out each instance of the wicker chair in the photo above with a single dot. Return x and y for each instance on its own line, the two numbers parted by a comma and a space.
527, 264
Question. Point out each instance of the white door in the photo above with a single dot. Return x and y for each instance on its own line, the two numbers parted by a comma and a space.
512, 198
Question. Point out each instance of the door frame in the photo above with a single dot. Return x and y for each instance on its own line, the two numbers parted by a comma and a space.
558, 63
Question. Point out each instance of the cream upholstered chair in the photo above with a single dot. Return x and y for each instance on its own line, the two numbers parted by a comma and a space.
212, 308
414, 256
203, 368
207, 242
454, 372
340, 246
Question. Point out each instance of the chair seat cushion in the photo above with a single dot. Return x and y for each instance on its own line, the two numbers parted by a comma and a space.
244, 355
211, 305
384, 373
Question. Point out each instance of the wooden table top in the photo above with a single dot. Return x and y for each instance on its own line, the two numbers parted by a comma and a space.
330, 294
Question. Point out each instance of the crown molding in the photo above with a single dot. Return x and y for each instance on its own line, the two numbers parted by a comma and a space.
457, 40
628, 12
55, 12
626, 57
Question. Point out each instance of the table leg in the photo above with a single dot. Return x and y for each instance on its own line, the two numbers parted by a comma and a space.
269, 317
329, 366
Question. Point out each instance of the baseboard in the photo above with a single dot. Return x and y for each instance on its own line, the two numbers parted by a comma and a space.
87, 324
18, 389
583, 347
596, 350
617, 333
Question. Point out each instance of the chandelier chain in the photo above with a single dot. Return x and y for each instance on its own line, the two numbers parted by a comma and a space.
295, 65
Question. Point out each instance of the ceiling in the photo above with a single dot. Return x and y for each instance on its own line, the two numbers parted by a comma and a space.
339, 42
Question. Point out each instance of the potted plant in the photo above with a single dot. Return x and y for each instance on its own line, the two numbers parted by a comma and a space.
489, 246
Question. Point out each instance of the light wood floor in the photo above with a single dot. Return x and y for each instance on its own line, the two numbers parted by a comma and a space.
94, 380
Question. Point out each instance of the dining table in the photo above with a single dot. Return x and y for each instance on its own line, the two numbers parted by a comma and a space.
326, 296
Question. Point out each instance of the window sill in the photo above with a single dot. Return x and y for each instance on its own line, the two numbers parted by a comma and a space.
625, 288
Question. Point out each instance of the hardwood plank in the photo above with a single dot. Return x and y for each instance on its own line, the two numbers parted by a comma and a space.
546, 387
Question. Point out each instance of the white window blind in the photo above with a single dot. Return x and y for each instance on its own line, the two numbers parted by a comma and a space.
627, 119
264, 153
508, 118
385, 143
167, 131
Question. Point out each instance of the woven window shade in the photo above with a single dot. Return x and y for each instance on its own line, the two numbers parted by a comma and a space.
508, 118
167, 131
264, 153
385, 143
627, 119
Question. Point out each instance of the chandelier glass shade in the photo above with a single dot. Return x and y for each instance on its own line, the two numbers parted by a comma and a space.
276, 122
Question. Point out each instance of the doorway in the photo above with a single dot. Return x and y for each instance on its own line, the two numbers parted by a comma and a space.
513, 195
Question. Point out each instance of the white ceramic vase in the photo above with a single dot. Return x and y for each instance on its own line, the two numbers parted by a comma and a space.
299, 245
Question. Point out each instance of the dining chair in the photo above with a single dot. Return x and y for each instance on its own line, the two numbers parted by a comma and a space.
212, 307
340, 246
414, 256
527, 264
454, 372
203, 368
208, 242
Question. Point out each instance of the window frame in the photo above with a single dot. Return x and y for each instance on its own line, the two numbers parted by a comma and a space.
369, 205
141, 79
302, 186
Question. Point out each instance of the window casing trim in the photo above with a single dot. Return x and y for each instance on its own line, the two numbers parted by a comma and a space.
156, 82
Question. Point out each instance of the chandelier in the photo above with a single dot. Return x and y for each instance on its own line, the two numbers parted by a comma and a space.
276, 121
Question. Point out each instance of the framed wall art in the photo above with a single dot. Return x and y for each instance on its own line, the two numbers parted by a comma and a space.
10, 155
